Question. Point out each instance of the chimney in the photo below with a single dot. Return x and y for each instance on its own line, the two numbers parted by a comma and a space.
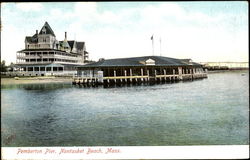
36, 32
65, 35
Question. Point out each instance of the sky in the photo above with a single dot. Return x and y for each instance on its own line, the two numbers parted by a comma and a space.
202, 31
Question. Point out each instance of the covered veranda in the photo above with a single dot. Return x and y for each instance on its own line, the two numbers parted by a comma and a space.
41, 70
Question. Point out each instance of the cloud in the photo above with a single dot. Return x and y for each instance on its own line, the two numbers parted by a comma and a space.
11, 42
85, 11
162, 10
28, 7
85, 7
56, 12
126, 32
108, 17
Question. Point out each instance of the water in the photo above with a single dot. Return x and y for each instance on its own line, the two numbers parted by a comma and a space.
212, 111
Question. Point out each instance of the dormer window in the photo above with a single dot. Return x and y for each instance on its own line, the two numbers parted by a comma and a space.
150, 62
187, 61
44, 30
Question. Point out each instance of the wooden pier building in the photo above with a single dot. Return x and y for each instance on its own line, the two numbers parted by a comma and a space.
139, 70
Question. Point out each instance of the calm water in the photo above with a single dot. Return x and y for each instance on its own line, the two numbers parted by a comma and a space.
203, 112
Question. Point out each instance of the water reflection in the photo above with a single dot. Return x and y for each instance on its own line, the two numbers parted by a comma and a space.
54, 86
42, 86
121, 85
202, 112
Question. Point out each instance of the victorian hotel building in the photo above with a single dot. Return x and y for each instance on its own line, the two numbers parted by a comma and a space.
44, 55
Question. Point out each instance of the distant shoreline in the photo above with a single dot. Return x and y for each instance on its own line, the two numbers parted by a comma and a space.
227, 70
35, 80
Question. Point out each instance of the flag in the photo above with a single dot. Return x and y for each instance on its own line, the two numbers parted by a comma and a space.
152, 37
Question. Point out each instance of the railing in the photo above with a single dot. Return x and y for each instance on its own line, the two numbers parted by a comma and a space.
125, 77
47, 56
40, 62
144, 76
66, 57
35, 56
162, 76
46, 62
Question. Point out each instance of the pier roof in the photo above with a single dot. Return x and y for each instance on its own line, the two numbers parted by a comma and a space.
141, 61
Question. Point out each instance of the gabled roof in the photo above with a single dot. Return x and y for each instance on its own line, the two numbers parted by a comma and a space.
32, 39
64, 44
71, 44
136, 61
80, 45
47, 28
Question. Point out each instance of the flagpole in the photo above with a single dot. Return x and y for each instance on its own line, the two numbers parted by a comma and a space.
152, 38
153, 45
160, 46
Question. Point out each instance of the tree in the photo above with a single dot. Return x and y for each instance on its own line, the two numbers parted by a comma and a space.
11, 67
3, 66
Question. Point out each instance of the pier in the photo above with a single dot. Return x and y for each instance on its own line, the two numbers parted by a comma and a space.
137, 79
139, 70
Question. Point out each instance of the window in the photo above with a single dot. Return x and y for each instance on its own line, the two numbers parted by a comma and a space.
44, 30
42, 69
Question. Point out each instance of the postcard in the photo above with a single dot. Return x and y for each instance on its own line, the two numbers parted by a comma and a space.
124, 80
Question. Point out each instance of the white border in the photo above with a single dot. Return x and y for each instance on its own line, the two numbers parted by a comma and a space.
143, 152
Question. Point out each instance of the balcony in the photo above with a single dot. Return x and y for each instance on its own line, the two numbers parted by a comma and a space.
34, 56
47, 56
48, 62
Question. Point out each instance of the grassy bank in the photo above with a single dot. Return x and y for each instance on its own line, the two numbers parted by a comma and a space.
34, 80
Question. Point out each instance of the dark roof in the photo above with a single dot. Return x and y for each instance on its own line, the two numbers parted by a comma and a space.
71, 44
140, 61
186, 60
80, 45
32, 39
48, 29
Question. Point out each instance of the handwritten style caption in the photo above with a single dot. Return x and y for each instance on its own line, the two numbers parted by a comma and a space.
61, 151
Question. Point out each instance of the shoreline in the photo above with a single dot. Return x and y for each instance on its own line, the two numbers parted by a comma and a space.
66, 80
230, 70
35, 80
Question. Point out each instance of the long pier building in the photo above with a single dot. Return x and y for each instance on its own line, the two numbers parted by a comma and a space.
139, 69
45, 55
